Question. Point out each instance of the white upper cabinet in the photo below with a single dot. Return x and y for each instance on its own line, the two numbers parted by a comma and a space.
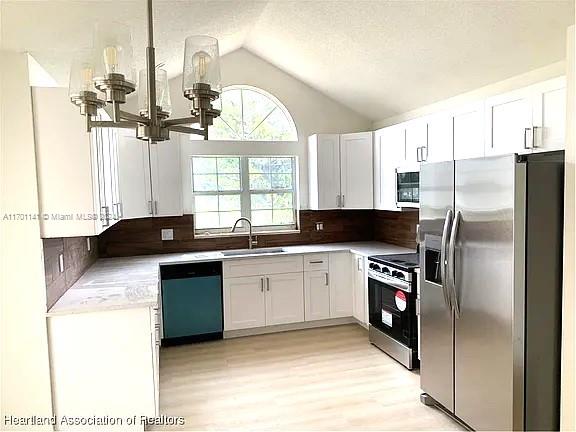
166, 177
389, 153
356, 171
340, 171
468, 131
440, 143
324, 171
526, 120
77, 170
416, 141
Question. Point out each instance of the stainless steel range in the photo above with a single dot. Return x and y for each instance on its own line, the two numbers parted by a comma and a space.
392, 306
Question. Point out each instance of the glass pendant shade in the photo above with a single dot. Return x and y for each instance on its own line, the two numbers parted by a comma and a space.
162, 91
201, 63
82, 72
113, 42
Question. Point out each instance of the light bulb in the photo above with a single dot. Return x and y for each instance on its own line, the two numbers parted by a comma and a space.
200, 62
87, 75
111, 59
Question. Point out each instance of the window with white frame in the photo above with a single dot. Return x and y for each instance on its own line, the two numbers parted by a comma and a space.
262, 188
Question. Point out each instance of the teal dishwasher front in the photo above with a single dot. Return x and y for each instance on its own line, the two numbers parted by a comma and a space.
191, 302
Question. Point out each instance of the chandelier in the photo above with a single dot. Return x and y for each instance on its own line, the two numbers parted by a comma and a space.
104, 75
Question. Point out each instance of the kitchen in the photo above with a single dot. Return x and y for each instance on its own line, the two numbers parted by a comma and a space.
276, 261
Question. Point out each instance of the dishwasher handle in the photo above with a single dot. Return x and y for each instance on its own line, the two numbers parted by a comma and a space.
190, 270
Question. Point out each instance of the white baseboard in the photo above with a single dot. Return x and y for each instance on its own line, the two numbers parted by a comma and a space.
288, 327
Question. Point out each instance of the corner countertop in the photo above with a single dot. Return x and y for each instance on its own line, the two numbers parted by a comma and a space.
120, 283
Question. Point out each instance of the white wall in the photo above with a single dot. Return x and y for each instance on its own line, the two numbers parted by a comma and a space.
25, 373
312, 111
551, 71
568, 400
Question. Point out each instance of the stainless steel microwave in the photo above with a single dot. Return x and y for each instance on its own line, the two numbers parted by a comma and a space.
408, 187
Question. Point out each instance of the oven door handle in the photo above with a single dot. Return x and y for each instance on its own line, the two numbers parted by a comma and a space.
444, 258
389, 281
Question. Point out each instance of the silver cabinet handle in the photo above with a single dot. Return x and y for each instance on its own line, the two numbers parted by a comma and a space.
338, 201
120, 210
418, 154
343, 201
452, 263
267, 284
534, 141
359, 263
106, 221
156, 207
443, 258
316, 262
526, 146
150, 208
261, 284
327, 281
422, 157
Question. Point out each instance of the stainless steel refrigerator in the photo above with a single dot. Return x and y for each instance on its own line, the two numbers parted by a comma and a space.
491, 274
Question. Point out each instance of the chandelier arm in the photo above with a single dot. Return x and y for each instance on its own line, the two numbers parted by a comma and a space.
134, 118
112, 124
188, 130
180, 121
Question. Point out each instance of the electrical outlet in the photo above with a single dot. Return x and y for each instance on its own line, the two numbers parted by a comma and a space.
61, 263
88, 244
319, 226
167, 234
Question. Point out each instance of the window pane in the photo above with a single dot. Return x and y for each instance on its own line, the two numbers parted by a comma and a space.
229, 165
204, 165
260, 182
261, 201
276, 127
206, 220
227, 219
283, 201
206, 203
229, 202
283, 217
262, 217
229, 124
281, 165
281, 181
259, 165
229, 182
205, 183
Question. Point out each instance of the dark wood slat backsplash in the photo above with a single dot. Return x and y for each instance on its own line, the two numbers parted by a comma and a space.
77, 259
142, 236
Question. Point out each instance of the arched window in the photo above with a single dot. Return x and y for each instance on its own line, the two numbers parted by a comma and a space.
251, 114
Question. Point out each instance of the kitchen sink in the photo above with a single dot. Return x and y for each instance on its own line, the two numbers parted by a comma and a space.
242, 252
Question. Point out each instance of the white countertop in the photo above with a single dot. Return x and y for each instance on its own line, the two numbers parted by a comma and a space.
119, 283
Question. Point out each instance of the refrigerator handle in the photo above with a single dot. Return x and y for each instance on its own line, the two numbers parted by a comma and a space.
452, 263
443, 258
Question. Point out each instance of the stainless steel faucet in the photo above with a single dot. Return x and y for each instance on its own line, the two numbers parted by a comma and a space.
250, 241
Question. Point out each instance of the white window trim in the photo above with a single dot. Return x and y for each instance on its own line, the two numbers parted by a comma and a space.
245, 200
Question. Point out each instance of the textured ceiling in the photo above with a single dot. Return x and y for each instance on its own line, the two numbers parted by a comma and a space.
378, 57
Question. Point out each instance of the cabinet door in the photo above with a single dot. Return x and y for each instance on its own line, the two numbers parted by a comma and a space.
341, 291
316, 295
468, 129
284, 298
509, 123
389, 145
360, 300
166, 177
549, 115
324, 171
134, 173
244, 303
356, 171
440, 141
416, 141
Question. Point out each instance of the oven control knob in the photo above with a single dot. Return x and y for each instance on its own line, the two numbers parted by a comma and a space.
398, 274
373, 266
385, 270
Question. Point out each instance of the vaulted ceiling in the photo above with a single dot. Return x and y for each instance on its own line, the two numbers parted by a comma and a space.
378, 57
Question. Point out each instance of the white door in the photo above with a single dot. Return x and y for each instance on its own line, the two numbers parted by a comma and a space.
356, 171
244, 302
341, 287
134, 173
284, 298
360, 300
549, 115
324, 171
468, 130
389, 155
416, 141
166, 177
509, 123
316, 295
440, 141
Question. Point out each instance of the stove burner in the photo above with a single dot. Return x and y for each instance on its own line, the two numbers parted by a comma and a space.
407, 262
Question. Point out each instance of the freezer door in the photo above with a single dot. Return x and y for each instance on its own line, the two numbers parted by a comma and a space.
484, 291
436, 339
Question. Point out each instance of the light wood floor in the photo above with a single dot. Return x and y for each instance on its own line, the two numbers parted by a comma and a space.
320, 379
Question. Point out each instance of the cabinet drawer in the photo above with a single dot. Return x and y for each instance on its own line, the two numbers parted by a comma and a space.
261, 266
316, 262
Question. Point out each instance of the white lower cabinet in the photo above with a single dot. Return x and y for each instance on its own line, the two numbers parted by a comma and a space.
341, 297
316, 295
244, 302
360, 287
284, 298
